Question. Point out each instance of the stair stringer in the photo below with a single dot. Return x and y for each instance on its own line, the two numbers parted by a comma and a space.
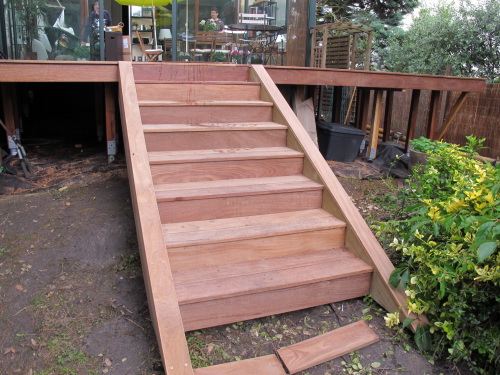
162, 297
358, 238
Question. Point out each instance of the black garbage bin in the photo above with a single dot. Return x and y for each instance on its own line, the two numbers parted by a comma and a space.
339, 142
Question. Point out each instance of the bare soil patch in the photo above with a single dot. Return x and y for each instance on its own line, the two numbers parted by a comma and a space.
72, 298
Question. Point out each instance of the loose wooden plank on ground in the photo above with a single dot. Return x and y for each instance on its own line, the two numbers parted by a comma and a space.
269, 365
328, 346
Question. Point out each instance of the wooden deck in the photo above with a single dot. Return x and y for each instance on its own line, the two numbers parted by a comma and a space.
12, 72
107, 71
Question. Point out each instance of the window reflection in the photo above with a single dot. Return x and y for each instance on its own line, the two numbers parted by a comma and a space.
42, 30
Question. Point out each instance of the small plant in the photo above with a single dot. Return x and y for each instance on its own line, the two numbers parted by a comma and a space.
473, 145
130, 264
81, 52
218, 57
209, 25
423, 144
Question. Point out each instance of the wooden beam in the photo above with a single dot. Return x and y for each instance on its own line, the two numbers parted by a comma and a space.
162, 297
107, 71
363, 78
371, 151
389, 101
297, 32
412, 118
433, 119
456, 107
58, 71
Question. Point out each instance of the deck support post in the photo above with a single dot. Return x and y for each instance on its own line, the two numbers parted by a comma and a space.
362, 108
432, 121
371, 152
99, 115
110, 113
412, 118
337, 104
388, 115
9, 101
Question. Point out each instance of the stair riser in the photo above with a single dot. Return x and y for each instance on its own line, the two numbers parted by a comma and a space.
191, 92
247, 205
205, 114
213, 313
211, 171
188, 257
191, 72
196, 140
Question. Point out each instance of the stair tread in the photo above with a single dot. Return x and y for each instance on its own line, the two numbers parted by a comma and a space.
162, 157
235, 187
229, 280
163, 128
239, 228
167, 103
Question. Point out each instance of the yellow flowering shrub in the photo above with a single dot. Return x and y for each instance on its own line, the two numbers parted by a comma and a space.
447, 256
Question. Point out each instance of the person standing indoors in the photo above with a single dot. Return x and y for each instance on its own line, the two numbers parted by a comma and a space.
215, 20
92, 30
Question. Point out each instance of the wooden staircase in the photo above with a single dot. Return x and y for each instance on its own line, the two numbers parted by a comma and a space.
238, 215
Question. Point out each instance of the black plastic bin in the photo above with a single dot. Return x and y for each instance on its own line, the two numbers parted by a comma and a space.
339, 142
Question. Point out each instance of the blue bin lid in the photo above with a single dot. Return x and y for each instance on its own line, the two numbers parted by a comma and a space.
340, 128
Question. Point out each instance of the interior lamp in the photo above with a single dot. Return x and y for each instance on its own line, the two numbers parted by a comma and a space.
165, 34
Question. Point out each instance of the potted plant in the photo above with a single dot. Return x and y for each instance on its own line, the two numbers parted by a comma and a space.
28, 12
134, 25
419, 148
81, 53
218, 56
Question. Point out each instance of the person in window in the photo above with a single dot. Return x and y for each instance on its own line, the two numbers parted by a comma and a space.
92, 29
214, 23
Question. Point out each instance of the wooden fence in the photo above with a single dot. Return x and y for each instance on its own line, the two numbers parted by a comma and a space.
479, 116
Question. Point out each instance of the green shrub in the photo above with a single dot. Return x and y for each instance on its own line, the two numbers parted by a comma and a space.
423, 144
447, 255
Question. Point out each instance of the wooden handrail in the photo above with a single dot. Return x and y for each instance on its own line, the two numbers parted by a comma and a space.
359, 238
162, 297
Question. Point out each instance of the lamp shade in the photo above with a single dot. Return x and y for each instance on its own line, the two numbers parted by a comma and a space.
165, 34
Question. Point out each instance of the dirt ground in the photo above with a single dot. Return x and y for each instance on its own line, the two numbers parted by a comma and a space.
72, 299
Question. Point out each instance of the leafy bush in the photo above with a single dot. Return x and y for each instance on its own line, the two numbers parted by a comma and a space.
423, 144
447, 254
